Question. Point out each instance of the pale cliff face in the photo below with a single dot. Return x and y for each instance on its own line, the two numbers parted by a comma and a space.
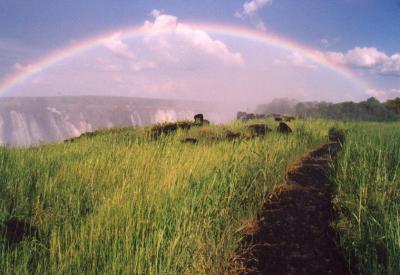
30, 121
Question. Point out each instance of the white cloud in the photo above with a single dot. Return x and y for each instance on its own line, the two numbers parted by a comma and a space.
299, 60
115, 44
367, 58
251, 7
117, 78
112, 65
250, 10
196, 39
295, 59
392, 66
21, 68
328, 42
324, 42
384, 94
238, 14
143, 65
155, 13
161, 23
260, 25
107, 65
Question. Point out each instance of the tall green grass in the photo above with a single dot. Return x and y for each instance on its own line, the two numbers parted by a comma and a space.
368, 196
122, 203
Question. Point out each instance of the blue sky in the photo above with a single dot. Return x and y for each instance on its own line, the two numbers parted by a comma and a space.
364, 35
49, 23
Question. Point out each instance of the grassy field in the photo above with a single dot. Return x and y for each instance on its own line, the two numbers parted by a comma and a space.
367, 179
122, 203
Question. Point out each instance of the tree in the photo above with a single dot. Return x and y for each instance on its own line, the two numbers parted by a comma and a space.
393, 105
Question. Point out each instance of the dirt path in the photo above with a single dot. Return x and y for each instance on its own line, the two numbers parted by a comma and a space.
293, 235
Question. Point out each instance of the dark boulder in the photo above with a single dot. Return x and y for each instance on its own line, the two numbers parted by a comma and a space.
336, 135
260, 116
84, 135
288, 118
240, 115
259, 130
166, 129
284, 128
70, 140
230, 136
189, 140
15, 230
250, 117
245, 116
199, 119
88, 135
169, 128
184, 125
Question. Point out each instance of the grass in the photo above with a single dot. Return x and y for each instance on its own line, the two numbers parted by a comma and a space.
119, 202
367, 178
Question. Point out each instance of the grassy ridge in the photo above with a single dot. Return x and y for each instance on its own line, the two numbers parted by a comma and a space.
119, 202
367, 178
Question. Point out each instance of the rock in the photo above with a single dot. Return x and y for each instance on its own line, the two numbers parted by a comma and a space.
288, 118
189, 140
240, 115
169, 128
246, 116
260, 116
166, 129
184, 125
70, 140
87, 135
250, 117
284, 128
199, 119
83, 135
259, 129
14, 230
336, 135
230, 136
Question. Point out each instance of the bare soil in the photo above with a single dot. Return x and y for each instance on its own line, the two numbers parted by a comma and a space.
293, 233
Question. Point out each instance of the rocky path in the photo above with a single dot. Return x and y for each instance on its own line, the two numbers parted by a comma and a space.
293, 235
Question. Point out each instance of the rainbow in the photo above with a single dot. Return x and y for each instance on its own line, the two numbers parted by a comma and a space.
57, 56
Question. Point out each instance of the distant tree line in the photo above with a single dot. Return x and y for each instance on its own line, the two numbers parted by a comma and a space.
369, 110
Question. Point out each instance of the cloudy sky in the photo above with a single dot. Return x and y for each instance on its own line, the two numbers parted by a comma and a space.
189, 49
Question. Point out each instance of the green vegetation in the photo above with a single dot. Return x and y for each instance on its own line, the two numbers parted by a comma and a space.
120, 202
367, 178
369, 110
393, 105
